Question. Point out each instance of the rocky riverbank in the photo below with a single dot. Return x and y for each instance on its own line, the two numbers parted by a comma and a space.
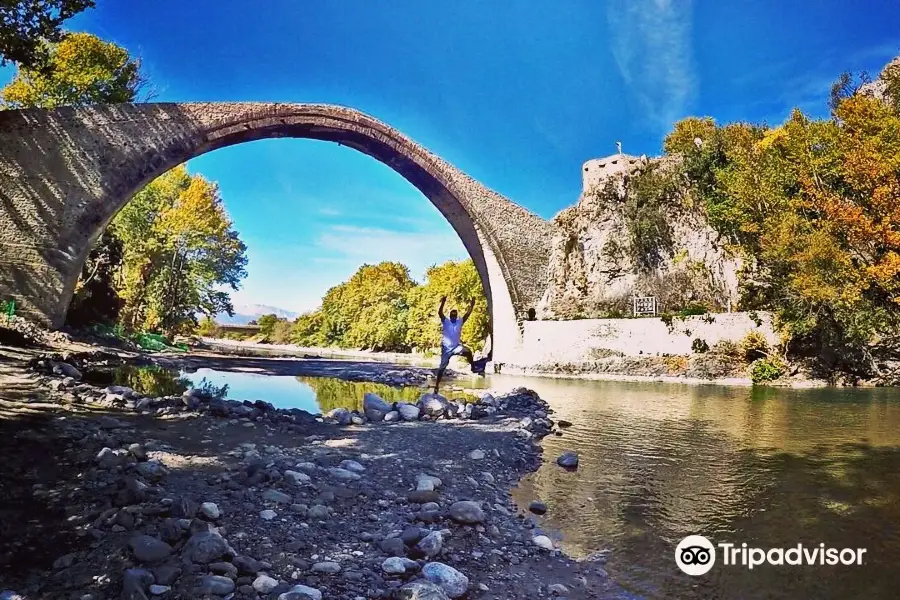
108, 494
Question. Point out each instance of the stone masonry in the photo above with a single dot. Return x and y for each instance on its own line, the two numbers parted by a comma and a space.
65, 173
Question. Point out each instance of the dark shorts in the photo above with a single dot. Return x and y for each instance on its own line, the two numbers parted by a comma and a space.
446, 353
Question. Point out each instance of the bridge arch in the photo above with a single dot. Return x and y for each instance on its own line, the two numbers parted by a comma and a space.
65, 173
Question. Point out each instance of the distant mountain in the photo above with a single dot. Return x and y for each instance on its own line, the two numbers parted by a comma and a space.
244, 313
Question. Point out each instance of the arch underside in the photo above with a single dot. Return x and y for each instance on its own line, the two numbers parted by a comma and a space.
92, 161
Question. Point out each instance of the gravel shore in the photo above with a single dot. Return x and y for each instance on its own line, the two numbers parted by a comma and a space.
108, 494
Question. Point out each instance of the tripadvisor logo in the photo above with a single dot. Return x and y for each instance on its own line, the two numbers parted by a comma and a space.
696, 555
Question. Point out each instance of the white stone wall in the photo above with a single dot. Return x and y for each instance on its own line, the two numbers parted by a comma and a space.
577, 341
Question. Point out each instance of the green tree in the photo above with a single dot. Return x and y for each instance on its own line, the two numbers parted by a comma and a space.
267, 324
26, 24
208, 327
82, 69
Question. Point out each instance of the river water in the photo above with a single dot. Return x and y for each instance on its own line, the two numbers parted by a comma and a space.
768, 467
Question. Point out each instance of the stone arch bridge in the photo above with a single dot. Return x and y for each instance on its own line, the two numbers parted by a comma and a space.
65, 173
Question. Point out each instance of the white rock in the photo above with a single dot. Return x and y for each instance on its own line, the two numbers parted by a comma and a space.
476, 455
264, 584
394, 566
158, 590
210, 510
543, 541
268, 515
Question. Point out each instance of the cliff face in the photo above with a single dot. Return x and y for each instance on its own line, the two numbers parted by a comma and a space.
601, 256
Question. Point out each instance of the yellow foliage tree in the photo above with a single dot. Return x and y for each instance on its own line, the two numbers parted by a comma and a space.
82, 69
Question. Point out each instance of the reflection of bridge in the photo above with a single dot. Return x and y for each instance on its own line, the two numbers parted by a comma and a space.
65, 173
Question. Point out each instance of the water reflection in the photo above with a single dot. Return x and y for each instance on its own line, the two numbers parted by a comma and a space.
771, 468
313, 394
333, 393
147, 380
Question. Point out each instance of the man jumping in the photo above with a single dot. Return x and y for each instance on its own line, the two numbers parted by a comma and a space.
450, 344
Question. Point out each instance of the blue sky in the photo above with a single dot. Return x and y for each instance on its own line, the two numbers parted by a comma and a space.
518, 94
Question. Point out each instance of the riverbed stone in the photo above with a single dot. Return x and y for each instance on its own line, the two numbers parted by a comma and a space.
408, 412
205, 547
542, 541
301, 592
246, 565
476, 454
341, 415
352, 465
421, 590
210, 510
412, 534
277, 497
296, 478
454, 583
159, 590
392, 417
432, 405
267, 515
431, 544
393, 546
135, 583
329, 567
343, 474
558, 589
65, 369
375, 407
537, 507
568, 460
264, 584
166, 574
423, 496
467, 512
149, 549
213, 584
394, 566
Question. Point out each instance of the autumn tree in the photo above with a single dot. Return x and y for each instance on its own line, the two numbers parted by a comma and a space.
27, 25
814, 208
180, 250
81, 69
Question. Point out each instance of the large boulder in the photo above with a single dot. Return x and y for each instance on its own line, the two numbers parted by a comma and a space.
433, 405
374, 407
408, 412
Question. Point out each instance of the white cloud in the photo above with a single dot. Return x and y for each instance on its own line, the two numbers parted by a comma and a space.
651, 44
416, 249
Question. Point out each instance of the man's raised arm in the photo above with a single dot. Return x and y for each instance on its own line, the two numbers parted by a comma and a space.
441, 307
469, 310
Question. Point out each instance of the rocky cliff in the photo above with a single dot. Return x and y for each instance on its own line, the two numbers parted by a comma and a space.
636, 233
